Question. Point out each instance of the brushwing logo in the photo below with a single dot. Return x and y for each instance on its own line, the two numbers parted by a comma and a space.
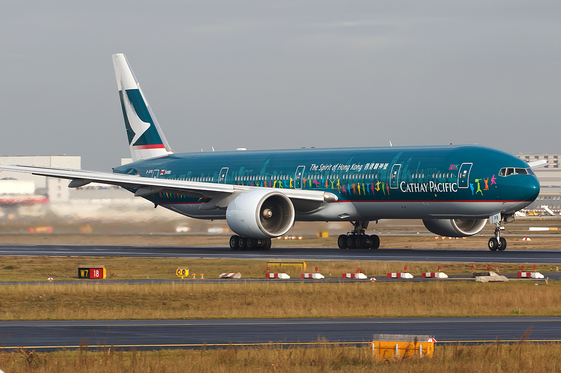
137, 125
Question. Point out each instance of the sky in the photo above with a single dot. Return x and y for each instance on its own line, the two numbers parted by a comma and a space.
281, 74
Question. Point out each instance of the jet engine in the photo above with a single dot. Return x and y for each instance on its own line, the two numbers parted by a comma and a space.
260, 214
454, 227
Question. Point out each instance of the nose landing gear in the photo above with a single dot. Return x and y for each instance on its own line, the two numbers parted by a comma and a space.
497, 242
358, 239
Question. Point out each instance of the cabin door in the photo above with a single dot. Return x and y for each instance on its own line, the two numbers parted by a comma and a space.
298, 177
463, 175
394, 177
222, 175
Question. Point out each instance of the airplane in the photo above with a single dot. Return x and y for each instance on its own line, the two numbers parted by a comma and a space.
453, 189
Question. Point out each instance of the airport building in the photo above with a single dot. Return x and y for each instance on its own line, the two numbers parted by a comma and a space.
27, 196
54, 189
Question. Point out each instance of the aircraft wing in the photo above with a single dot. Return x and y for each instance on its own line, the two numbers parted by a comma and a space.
538, 164
212, 193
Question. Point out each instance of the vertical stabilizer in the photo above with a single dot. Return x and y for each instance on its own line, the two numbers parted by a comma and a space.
146, 139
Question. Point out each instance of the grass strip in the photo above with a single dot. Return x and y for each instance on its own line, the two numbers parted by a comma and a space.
21, 269
518, 357
278, 300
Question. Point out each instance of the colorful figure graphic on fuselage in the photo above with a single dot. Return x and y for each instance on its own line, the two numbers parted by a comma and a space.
478, 181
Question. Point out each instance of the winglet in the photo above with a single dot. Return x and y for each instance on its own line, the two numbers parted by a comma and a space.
146, 138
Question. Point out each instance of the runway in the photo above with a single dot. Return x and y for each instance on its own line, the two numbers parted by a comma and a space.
156, 334
410, 255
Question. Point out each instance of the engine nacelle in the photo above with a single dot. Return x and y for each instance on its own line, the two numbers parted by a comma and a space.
455, 227
260, 214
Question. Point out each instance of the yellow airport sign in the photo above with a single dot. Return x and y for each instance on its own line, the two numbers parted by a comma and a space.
182, 272
300, 265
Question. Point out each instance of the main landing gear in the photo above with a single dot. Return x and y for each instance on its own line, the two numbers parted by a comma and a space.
358, 239
244, 243
497, 242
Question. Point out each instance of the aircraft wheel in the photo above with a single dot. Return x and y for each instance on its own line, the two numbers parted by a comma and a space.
266, 244
375, 242
234, 242
502, 244
242, 243
342, 242
493, 244
360, 242
367, 242
350, 242
251, 243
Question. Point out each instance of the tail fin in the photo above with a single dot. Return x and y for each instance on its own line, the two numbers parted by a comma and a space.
146, 139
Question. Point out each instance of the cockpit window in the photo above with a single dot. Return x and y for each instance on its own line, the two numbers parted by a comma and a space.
507, 171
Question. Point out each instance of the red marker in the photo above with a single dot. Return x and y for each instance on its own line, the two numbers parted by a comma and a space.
267, 269
405, 268
534, 268
472, 266
489, 267
358, 270
438, 268
316, 269
521, 268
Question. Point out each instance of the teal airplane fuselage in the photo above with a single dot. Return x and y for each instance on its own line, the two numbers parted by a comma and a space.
452, 182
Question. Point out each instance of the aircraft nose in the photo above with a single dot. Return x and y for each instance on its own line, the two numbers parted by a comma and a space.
530, 188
